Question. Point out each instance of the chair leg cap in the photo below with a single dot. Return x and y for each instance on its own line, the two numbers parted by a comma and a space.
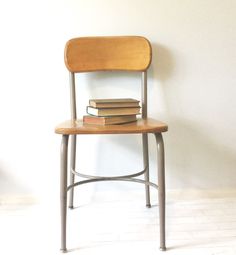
163, 248
148, 206
63, 250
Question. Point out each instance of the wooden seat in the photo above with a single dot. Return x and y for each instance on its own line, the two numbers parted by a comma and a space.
77, 127
117, 53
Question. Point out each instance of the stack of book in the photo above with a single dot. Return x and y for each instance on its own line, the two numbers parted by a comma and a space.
112, 111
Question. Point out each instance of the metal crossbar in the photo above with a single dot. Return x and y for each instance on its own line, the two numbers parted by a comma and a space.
114, 178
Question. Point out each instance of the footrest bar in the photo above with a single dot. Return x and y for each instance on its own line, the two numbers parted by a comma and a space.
98, 177
112, 179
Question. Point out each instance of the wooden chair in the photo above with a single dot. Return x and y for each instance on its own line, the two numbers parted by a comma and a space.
118, 53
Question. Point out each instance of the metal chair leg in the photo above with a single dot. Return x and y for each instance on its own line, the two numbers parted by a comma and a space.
161, 187
146, 166
72, 166
63, 189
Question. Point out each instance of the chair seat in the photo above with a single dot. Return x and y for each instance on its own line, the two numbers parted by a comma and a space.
77, 127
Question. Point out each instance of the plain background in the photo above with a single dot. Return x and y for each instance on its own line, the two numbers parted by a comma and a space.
192, 87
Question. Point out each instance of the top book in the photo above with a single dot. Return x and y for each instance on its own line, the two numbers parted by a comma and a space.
113, 103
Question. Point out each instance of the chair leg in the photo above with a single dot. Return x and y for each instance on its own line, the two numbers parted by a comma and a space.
161, 187
63, 189
72, 166
146, 166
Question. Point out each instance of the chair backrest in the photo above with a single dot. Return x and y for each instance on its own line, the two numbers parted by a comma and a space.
109, 53
128, 53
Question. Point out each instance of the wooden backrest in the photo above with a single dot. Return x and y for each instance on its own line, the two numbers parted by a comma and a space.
115, 53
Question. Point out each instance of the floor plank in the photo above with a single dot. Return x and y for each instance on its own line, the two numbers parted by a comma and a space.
117, 223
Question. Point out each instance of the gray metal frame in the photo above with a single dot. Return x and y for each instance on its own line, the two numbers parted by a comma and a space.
64, 187
73, 139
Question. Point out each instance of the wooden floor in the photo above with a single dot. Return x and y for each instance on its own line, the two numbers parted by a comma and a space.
119, 223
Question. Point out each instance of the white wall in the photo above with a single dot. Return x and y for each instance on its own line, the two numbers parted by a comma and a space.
192, 88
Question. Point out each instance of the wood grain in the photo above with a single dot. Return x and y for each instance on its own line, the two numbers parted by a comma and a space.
72, 127
114, 53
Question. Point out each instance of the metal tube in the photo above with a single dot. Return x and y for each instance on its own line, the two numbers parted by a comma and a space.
73, 141
144, 94
112, 179
63, 189
146, 166
72, 166
145, 137
120, 176
73, 96
161, 187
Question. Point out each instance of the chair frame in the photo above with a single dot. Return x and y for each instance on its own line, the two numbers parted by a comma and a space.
64, 188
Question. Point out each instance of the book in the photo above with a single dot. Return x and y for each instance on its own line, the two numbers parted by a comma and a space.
89, 119
113, 103
113, 111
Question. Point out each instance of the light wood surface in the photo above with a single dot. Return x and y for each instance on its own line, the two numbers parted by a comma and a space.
128, 53
71, 127
199, 222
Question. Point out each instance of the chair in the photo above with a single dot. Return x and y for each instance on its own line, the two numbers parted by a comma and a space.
117, 53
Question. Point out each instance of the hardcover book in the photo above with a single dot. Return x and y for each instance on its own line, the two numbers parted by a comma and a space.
113, 111
113, 103
89, 119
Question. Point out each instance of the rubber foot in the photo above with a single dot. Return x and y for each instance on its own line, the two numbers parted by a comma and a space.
71, 207
63, 250
148, 206
163, 249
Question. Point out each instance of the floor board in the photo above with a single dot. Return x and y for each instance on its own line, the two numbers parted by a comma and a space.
117, 223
